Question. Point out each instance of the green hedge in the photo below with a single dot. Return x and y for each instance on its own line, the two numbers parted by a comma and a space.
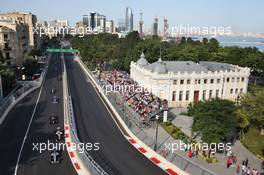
174, 131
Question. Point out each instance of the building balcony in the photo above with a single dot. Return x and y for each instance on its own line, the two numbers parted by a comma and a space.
6, 40
7, 49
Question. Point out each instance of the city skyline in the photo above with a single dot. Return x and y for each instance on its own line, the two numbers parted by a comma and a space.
225, 13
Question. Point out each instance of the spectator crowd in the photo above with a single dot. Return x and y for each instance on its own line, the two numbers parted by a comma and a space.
139, 99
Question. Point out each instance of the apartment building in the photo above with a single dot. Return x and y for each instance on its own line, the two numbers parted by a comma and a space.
30, 20
14, 40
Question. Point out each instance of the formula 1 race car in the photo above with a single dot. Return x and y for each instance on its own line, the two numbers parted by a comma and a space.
55, 99
59, 134
53, 90
55, 157
53, 119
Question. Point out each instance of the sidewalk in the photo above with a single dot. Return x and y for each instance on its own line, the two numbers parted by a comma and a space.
185, 123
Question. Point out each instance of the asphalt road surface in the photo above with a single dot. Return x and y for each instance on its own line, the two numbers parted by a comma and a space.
14, 128
116, 155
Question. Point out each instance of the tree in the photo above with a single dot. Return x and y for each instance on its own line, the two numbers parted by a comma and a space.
242, 121
213, 45
1, 57
30, 66
7, 75
252, 108
205, 41
35, 52
214, 119
110, 48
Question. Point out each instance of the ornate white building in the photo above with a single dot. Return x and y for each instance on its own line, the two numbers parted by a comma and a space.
183, 82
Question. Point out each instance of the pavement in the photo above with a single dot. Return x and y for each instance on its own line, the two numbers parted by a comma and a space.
28, 122
96, 125
185, 122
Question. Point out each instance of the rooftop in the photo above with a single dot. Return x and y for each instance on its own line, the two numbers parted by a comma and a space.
162, 67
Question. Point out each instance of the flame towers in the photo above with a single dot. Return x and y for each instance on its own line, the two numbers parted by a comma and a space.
129, 19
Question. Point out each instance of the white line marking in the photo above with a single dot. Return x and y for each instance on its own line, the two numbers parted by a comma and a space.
31, 119
25, 137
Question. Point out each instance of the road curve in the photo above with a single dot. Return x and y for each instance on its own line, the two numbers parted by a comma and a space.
94, 123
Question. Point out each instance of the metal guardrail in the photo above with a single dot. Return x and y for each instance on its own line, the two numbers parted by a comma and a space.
15, 95
133, 122
86, 158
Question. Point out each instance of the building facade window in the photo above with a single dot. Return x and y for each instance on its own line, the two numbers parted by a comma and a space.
233, 79
204, 94
212, 81
236, 91
182, 82
205, 81
174, 81
231, 91
187, 95
210, 94
241, 90
180, 95
242, 79
227, 80
188, 81
238, 79
217, 93
174, 96
197, 81
218, 80
5, 37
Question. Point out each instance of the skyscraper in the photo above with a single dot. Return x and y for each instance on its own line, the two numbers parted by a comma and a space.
85, 20
155, 27
109, 26
121, 25
129, 19
94, 21
165, 28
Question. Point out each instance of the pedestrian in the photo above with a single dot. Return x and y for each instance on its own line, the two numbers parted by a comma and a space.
246, 162
248, 171
190, 153
234, 161
209, 153
229, 153
196, 153
228, 162
244, 169
254, 171
238, 170
204, 153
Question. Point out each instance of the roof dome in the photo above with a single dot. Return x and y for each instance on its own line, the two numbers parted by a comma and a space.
142, 61
160, 67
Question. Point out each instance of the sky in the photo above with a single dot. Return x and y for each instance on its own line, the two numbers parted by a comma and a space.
241, 15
